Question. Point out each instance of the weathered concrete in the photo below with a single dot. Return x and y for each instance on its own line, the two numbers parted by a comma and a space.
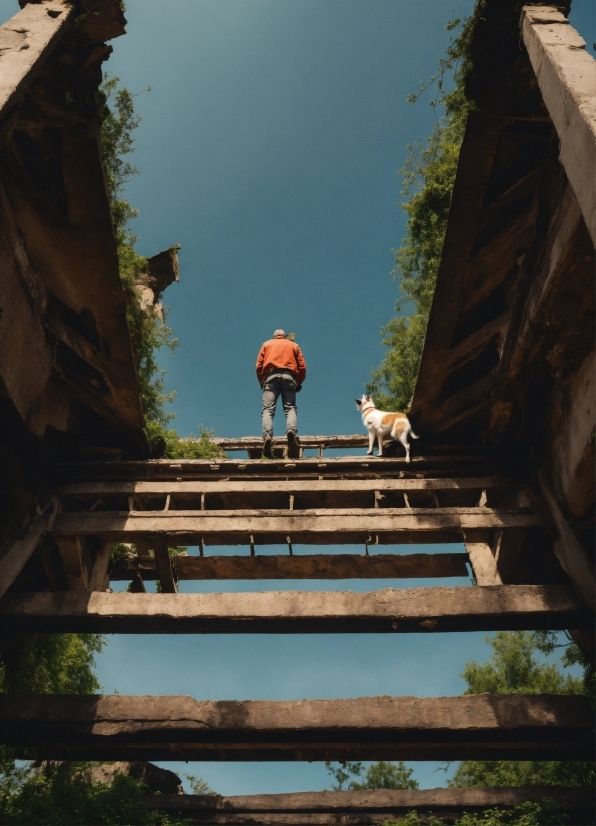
361, 807
566, 75
480, 727
293, 494
15, 556
25, 40
391, 525
412, 610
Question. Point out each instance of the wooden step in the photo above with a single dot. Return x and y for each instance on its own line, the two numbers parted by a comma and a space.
473, 727
417, 610
346, 466
298, 494
315, 527
299, 566
363, 807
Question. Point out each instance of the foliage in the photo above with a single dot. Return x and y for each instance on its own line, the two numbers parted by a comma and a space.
59, 794
149, 331
198, 785
428, 178
527, 814
381, 775
176, 448
514, 667
57, 664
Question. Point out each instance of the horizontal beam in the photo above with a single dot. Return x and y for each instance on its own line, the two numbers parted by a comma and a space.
322, 526
473, 727
254, 442
361, 806
465, 464
112, 488
302, 566
418, 610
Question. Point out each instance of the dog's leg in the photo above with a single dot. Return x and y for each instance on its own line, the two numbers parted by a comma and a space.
403, 438
380, 438
371, 442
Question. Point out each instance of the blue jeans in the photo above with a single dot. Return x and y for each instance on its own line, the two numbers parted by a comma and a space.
276, 384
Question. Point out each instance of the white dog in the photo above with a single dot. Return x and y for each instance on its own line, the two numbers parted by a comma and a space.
381, 424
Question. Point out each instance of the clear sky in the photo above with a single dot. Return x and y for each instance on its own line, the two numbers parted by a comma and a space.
269, 148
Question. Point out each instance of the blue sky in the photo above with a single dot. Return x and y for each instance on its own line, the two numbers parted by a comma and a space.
269, 148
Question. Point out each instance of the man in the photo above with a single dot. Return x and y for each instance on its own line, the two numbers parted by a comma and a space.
281, 369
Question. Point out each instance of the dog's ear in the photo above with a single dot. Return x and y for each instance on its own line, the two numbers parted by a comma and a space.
368, 398
358, 402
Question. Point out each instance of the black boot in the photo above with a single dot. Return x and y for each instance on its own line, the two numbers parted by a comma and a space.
293, 448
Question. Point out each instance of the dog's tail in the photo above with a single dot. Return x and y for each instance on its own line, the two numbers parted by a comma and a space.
412, 434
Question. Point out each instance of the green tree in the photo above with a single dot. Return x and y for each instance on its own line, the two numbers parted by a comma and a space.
516, 667
380, 775
60, 794
428, 178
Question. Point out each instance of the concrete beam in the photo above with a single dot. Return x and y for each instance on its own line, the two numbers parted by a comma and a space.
566, 75
360, 807
411, 610
25, 41
473, 727
324, 526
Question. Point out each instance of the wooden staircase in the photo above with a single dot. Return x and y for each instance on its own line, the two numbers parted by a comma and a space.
153, 506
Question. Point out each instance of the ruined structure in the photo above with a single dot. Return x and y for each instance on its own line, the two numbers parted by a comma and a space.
504, 403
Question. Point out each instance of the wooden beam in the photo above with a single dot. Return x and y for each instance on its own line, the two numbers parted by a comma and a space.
472, 727
412, 610
303, 566
566, 76
74, 561
362, 806
113, 488
465, 463
482, 560
163, 563
15, 557
323, 526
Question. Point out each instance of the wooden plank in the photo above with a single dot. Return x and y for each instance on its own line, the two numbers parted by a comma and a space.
74, 561
472, 727
464, 464
412, 610
303, 566
362, 806
317, 526
14, 558
100, 577
111, 488
482, 560
163, 563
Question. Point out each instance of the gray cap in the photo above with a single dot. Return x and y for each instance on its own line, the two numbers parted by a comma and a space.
279, 333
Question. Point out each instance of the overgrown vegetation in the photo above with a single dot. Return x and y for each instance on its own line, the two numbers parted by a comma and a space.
149, 330
527, 814
381, 775
518, 664
515, 667
61, 794
428, 178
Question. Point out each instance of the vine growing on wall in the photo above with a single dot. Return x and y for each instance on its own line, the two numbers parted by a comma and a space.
149, 329
428, 178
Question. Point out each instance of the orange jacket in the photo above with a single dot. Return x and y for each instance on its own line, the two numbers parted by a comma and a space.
281, 354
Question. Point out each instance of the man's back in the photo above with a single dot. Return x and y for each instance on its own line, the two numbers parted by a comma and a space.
280, 353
